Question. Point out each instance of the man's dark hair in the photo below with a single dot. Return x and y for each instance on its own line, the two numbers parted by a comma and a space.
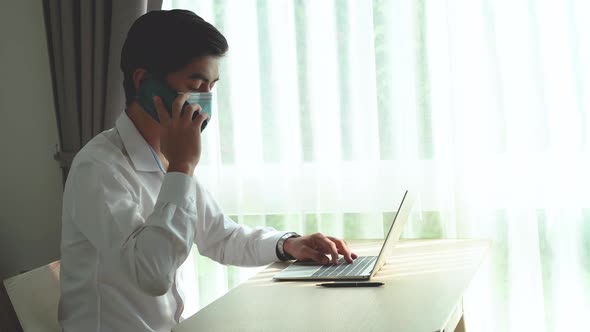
164, 41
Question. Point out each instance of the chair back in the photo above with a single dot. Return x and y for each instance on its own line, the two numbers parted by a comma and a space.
34, 296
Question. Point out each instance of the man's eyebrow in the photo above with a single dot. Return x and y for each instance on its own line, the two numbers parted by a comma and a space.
202, 77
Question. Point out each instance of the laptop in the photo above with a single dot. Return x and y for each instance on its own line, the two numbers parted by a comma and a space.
364, 267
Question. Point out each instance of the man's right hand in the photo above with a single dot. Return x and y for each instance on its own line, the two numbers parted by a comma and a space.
180, 135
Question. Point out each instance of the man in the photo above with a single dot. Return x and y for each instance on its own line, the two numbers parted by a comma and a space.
132, 209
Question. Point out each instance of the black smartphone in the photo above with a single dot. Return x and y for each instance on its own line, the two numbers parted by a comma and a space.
151, 87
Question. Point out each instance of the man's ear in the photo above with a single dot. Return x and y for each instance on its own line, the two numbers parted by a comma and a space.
139, 75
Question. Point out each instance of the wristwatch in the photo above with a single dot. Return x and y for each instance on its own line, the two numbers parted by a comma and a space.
281, 253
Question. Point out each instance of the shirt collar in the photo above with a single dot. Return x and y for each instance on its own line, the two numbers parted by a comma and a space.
136, 146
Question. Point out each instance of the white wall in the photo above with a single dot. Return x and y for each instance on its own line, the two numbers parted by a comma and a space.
30, 180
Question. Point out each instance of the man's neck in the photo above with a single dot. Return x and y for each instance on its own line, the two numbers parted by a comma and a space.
148, 128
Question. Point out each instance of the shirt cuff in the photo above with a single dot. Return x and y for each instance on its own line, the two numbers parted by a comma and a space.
268, 247
179, 189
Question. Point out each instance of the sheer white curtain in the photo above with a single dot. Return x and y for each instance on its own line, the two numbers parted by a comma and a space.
327, 110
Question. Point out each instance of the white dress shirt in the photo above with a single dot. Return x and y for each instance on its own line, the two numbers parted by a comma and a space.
126, 230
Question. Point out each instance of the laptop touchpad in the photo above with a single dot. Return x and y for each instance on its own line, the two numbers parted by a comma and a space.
300, 269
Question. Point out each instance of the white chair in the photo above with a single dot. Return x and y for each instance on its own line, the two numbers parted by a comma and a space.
35, 296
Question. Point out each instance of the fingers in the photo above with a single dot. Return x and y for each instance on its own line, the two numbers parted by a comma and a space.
193, 113
325, 245
178, 104
189, 111
317, 246
310, 253
332, 250
198, 121
343, 249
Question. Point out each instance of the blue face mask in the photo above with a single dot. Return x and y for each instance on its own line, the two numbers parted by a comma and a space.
205, 100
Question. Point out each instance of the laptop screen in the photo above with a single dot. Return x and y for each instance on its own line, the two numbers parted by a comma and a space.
395, 231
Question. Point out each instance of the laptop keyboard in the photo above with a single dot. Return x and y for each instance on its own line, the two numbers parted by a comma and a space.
344, 269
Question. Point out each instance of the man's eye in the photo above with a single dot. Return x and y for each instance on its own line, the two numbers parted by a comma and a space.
196, 84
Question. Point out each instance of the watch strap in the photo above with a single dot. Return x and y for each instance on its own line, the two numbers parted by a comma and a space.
280, 250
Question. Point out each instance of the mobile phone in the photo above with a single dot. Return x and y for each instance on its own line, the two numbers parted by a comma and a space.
151, 87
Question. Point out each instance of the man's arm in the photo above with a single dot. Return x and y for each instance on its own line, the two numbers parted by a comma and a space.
221, 239
106, 211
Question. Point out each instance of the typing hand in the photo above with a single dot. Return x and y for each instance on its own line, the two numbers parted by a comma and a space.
317, 246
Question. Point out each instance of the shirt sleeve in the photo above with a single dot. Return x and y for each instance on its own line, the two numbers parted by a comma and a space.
107, 211
223, 240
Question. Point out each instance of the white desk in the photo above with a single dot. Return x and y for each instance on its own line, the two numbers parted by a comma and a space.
424, 283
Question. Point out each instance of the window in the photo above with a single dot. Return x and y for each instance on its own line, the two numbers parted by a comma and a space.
327, 110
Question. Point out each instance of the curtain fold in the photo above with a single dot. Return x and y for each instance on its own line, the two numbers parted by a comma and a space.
85, 40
